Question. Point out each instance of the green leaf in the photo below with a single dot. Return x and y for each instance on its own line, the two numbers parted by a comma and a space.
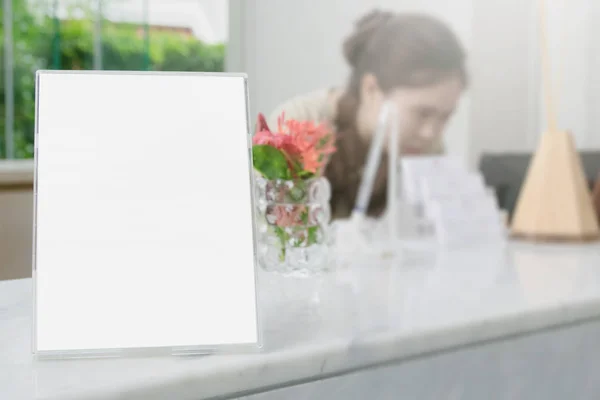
283, 238
304, 217
298, 192
296, 170
270, 162
305, 175
312, 235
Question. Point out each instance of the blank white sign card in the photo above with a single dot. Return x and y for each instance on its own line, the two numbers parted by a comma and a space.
144, 233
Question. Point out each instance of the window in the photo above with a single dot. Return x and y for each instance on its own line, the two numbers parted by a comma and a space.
159, 35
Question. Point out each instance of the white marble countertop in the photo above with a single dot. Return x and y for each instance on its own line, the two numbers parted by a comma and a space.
354, 319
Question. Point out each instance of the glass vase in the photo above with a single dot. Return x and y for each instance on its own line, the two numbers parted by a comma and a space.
293, 225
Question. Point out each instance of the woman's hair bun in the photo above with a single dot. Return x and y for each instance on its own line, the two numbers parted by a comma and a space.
364, 29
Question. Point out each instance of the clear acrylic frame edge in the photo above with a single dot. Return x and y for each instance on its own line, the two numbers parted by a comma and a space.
242, 348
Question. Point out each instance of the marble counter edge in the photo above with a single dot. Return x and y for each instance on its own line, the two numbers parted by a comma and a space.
337, 357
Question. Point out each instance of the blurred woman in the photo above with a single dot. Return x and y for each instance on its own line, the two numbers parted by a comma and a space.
414, 61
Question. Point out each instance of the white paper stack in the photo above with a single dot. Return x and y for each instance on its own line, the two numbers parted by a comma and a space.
462, 210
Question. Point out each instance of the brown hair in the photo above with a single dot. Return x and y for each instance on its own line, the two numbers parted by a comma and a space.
400, 50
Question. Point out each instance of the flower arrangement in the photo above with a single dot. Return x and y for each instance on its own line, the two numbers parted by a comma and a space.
290, 163
297, 150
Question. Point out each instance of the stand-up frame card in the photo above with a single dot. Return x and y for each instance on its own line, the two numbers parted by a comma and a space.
144, 234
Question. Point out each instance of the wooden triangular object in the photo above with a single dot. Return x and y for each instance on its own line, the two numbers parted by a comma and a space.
555, 200
596, 197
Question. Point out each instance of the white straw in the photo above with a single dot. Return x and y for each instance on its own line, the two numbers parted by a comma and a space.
365, 189
392, 194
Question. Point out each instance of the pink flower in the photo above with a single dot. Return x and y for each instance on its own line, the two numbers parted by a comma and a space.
279, 140
268, 138
284, 218
314, 142
262, 124
287, 215
304, 143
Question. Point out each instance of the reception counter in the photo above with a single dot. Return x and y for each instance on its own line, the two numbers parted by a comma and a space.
364, 322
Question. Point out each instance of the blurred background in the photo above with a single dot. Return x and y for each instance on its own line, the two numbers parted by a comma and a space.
290, 47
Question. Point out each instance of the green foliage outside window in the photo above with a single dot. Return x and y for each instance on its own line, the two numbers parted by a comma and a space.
40, 42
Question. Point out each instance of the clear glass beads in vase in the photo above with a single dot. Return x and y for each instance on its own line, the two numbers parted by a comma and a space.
293, 225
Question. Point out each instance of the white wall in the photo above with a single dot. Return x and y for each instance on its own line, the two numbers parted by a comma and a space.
575, 55
592, 84
502, 111
504, 93
276, 41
